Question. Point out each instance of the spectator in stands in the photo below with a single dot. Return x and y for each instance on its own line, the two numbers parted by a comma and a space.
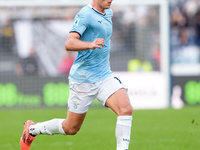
28, 66
65, 65
185, 35
6, 37
197, 28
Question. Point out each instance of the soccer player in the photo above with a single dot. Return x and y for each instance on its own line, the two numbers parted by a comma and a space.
90, 77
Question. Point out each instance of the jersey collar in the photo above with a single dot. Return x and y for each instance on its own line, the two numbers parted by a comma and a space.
96, 10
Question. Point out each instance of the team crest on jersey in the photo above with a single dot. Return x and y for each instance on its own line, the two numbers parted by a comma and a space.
76, 22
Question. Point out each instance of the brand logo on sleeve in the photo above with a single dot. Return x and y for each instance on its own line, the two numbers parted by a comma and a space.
76, 22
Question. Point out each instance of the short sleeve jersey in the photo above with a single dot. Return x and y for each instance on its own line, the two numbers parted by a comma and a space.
92, 66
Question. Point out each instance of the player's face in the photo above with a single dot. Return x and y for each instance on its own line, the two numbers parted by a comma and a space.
105, 4
101, 5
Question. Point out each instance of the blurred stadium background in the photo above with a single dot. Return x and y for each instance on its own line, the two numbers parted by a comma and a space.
155, 51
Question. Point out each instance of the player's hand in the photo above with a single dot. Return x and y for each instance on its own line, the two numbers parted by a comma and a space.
98, 43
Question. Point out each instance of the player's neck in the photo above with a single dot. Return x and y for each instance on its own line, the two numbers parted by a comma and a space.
98, 7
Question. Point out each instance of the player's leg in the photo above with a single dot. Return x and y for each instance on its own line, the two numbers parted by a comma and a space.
78, 104
113, 95
31, 129
72, 124
81, 96
69, 126
120, 104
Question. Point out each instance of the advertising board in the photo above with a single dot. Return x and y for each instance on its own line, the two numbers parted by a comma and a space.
190, 88
146, 90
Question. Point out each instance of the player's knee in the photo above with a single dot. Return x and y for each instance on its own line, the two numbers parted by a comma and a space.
128, 110
71, 131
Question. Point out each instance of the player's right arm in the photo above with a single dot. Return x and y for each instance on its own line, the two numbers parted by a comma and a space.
73, 43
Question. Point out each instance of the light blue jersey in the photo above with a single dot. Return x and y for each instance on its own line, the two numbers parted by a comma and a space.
92, 66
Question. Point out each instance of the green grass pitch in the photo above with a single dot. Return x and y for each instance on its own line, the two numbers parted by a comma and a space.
166, 129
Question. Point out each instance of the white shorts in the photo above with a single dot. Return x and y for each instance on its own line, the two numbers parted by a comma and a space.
83, 94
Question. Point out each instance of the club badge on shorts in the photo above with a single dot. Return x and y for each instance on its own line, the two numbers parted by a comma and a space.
76, 105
